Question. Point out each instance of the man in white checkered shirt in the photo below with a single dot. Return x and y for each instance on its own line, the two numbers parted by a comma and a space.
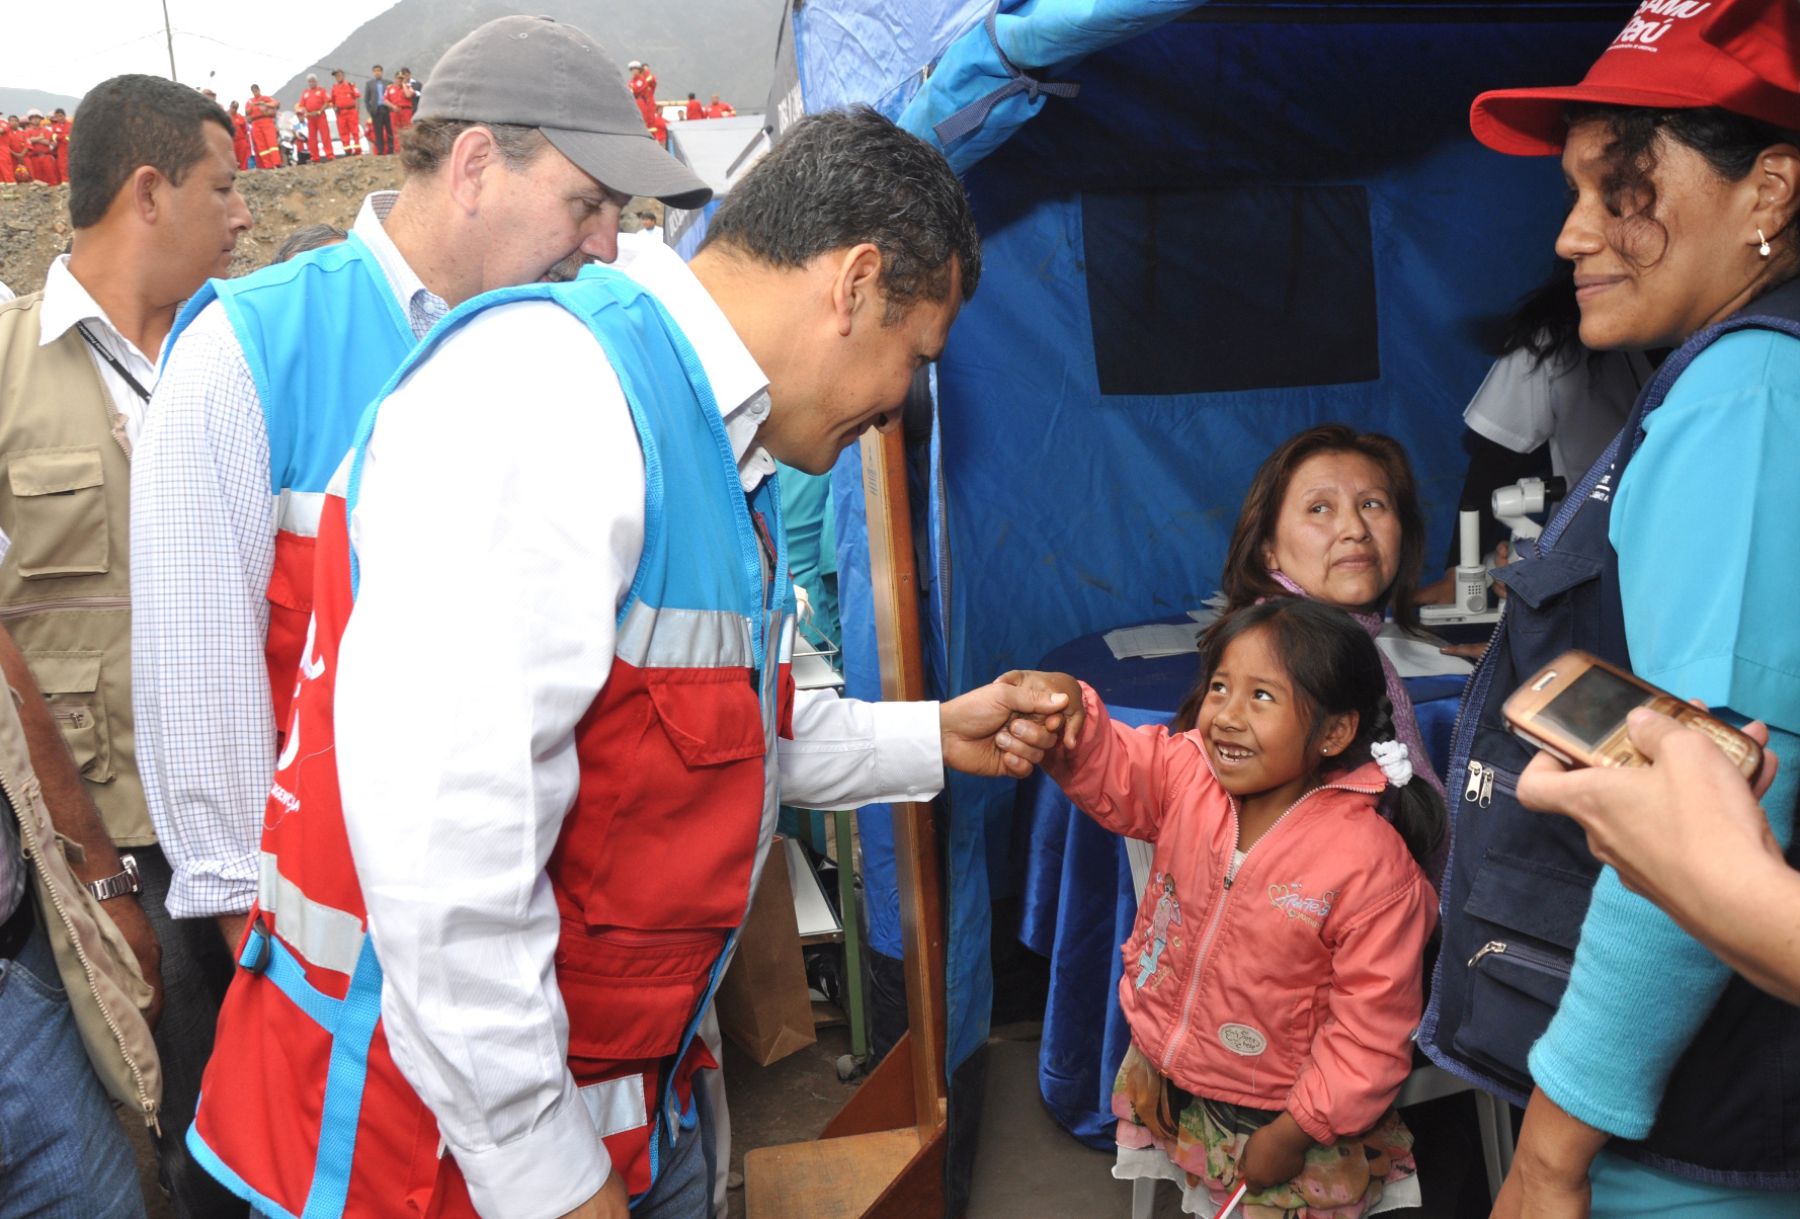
482, 206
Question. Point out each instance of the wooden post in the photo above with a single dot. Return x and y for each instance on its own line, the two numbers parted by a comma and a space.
882, 1156
893, 570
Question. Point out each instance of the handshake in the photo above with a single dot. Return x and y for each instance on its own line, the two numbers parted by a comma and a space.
1005, 728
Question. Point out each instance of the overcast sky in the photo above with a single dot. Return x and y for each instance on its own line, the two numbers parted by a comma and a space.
226, 44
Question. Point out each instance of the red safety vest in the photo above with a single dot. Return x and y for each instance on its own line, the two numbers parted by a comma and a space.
652, 870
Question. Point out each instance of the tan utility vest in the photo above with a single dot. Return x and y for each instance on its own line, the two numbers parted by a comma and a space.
65, 585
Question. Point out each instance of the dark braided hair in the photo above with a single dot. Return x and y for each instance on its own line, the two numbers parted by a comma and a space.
1336, 669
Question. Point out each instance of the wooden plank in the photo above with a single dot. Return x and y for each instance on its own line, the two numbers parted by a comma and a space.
894, 576
918, 1192
883, 1101
827, 1179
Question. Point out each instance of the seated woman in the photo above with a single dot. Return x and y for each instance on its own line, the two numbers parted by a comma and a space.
1333, 515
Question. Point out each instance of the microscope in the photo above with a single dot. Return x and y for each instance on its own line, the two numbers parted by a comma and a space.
1513, 506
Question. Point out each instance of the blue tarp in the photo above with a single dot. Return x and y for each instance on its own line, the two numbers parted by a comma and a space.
1303, 166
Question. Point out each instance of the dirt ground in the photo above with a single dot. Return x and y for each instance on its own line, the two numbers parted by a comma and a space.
34, 220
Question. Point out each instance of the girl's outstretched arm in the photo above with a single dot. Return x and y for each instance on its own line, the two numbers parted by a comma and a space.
1122, 777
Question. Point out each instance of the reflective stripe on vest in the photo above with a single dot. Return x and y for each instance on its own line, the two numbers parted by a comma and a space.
322, 935
297, 512
653, 638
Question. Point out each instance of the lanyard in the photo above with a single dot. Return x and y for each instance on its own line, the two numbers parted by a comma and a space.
108, 356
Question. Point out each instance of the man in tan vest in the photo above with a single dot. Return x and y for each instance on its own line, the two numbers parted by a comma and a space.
155, 211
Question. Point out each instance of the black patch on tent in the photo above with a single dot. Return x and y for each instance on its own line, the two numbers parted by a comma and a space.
1224, 290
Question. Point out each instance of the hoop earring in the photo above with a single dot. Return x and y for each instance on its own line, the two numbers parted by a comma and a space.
1762, 249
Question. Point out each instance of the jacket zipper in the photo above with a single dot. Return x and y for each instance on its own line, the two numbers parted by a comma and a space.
28, 826
1528, 956
1231, 870
64, 603
1484, 780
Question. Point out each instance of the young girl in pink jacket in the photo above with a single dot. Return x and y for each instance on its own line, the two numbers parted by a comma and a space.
1272, 981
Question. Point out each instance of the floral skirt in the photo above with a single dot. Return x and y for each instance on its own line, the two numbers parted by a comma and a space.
1206, 1140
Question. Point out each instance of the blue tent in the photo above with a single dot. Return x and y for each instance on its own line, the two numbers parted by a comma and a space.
1205, 227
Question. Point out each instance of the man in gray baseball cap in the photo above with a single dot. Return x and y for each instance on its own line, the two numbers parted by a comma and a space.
534, 72
525, 150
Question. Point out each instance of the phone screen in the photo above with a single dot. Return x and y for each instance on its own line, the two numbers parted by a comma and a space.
1593, 706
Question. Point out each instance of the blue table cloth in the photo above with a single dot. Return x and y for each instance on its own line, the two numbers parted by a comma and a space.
1077, 896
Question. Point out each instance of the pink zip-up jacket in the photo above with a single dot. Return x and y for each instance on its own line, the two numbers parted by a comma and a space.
1294, 983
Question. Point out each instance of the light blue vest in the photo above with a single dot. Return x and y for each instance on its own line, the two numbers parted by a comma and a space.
321, 333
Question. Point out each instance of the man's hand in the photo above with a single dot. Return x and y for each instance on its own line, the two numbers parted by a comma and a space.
1003, 728
1659, 825
609, 1203
129, 917
1549, 1177
1275, 1154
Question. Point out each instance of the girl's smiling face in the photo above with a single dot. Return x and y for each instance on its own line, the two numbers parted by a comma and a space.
1257, 726
1252, 722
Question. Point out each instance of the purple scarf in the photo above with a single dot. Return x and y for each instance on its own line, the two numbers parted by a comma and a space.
1406, 724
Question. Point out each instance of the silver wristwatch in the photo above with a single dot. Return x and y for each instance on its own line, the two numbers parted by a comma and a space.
119, 884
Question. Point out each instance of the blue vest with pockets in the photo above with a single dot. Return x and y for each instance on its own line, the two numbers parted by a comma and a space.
1517, 887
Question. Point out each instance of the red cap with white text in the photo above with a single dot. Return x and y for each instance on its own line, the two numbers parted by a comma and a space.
1739, 55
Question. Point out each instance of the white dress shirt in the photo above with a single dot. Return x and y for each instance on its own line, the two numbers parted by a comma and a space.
202, 550
498, 529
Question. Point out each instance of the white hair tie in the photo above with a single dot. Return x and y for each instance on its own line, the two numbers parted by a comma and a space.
1395, 761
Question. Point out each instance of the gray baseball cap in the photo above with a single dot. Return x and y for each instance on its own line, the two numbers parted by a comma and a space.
537, 72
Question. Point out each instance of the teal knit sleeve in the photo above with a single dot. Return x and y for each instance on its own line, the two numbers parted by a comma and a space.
1640, 991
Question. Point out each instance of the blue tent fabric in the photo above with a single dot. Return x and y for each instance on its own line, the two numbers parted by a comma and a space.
995, 67
1055, 508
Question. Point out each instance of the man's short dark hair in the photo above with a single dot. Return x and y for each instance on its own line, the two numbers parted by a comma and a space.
425, 146
376, 68
131, 121
843, 177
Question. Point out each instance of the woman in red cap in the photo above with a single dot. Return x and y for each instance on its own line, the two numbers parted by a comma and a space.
1658, 1083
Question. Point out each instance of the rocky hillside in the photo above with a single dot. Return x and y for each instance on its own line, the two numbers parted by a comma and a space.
34, 220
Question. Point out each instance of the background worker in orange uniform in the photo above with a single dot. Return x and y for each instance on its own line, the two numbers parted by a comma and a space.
265, 134
240, 137
695, 108
719, 109
15, 147
314, 102
9, 169
60, 127
344, 97
40, 154
400, 100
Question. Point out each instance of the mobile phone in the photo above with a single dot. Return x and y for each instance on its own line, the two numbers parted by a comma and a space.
1574, 709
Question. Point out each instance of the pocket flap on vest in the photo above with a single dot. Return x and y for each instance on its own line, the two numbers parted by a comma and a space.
50, 473
66, 672
712, 716
1545, 903
1541, 577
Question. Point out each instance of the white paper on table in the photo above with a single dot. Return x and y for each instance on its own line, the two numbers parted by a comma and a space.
1414, 657
1157, 639
1204, 617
